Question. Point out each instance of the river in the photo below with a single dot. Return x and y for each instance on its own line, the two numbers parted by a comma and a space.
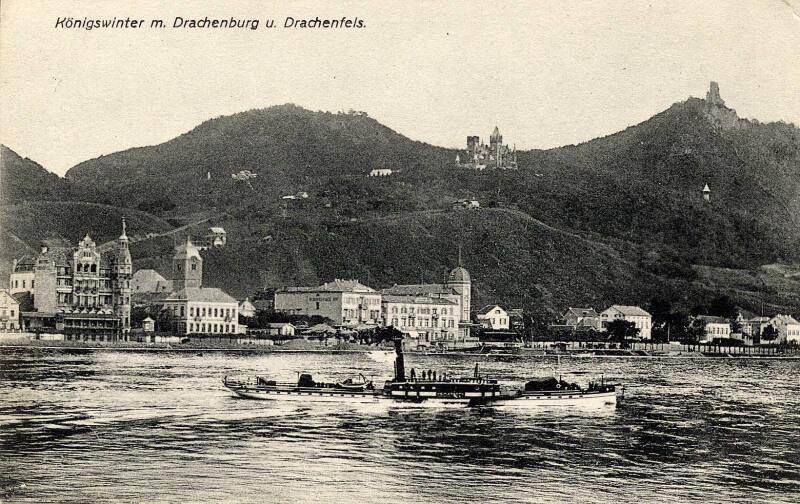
85, 426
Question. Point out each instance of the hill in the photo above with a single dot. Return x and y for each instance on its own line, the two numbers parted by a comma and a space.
23, 179
619, 219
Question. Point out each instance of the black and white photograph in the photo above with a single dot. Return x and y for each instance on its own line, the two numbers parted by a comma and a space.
396, 252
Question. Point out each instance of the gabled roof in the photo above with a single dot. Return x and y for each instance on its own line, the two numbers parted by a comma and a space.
784, 319
631, 311
201, 294
488, 308
148, 275
217, 230
278, 325
581, 312
711, 319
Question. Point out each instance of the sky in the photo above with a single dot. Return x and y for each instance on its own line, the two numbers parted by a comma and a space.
548, 73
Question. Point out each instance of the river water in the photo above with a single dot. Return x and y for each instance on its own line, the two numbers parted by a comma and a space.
159, 427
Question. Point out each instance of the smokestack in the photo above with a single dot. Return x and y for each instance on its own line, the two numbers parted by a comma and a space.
399, 362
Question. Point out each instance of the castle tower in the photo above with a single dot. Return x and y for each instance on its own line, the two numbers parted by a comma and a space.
713, 97
122, 271
187, 267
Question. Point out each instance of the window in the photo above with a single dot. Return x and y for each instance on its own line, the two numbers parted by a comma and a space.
317, 305
23, 284
32, 281
94, 268
215, 312
194, 266
394, 309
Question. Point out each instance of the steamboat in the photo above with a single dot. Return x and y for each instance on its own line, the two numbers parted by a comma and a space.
428, 389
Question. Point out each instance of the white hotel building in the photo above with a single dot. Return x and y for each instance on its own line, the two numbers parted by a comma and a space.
201, 310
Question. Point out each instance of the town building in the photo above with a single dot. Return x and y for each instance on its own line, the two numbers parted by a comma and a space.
480, 156
751, 328
202, 310
247, 309
579, 318
516, 320
787, 328
148, 325
493, 317
380, 172
344, 302
149, 281
9, 312
457, 288
640, 318
422, 319
81, 292
713, 328
22, 275
216, 237
281, 329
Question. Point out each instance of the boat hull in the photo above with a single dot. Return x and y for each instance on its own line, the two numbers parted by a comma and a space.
308, 395
558, 399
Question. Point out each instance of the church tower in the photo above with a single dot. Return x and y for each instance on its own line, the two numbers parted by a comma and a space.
187, 267
122, 271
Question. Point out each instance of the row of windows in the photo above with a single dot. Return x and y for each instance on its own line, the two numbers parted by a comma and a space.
201, 312
211, 328
349, 313
24, 284
421, 322
86, 268
422, 311
10, 313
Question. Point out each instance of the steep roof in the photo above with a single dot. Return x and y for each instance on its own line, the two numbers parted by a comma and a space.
784, 319
148, 275
202, 294
632, 311
711, 319
582, 312
488, 308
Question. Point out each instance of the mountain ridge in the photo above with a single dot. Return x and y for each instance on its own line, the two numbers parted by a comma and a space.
636, 193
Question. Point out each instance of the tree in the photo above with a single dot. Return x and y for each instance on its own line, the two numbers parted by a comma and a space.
619, 330
695, 331
769, 333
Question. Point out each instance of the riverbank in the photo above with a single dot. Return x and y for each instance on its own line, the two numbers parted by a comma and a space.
304, 346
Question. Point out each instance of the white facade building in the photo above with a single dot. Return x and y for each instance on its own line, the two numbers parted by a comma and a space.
202, 310
424, 319
640, 318
9, 312
345, 302
493, 317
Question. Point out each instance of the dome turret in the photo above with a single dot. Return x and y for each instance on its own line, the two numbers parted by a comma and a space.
459, 275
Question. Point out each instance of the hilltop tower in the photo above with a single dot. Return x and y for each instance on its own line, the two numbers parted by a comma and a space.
122, 271
187, 267
706, 193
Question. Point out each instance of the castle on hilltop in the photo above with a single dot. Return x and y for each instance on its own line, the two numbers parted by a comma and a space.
480, 156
